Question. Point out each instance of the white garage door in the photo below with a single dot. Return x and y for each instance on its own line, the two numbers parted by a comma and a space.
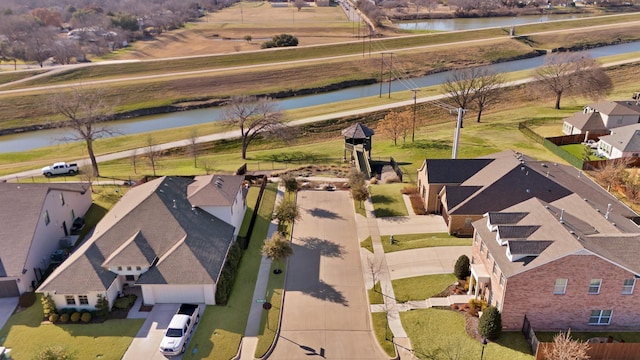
175, 294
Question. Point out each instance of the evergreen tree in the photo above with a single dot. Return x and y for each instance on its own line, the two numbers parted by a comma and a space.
490, 324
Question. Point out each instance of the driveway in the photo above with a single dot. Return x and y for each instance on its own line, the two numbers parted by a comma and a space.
325, 311
425, 261
146, 344
7, 307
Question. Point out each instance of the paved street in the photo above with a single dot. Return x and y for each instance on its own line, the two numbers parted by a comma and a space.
326, 312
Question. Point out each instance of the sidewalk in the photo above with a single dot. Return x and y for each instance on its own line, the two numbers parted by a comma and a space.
250, 339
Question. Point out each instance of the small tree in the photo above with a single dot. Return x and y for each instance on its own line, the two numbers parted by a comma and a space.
48, 305
461, 269
248, 38
565, 348
490, 324
102, 306
395, 125
360, 194
193, 146
488, 91
290, 183
286, 213
152, 154
277, 248
358, 185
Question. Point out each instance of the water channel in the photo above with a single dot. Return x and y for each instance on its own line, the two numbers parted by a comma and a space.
482, 23
32, 140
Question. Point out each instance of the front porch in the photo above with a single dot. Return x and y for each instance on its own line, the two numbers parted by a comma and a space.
479, 278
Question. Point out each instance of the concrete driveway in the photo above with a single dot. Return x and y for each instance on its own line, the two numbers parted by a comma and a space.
146, 344
7, 307
325, 310
425, 261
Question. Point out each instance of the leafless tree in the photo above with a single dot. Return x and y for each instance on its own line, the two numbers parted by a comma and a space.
134, 160
573, 73
254, 117
613, 172
374, 267
461, 86
84, 109
207, 165
488, 91
64, 50
193, 146
152, 153
564, 347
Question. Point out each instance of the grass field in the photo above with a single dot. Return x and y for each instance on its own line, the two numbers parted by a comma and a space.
421, 287
418, 241
387, 200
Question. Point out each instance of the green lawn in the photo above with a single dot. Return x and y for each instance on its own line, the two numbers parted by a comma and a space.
271, 319
578, 150
441, 334
417, 241
367, 244
26, 336
375, 296
421, 287
387, 200
222, 327
381, 329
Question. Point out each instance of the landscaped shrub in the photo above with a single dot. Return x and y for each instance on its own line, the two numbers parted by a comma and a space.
223, 290
417, 204
102, 306
54, 352
490, 324
85, 317
477, 304
64, 318
409, 189
75, 317
54, 317
48, 306
124, 302
27, 299
462, 268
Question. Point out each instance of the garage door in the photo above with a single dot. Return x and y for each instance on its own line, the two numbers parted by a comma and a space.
175, 294
9, 288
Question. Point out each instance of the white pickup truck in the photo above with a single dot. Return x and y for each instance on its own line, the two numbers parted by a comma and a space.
180, 330
60, 168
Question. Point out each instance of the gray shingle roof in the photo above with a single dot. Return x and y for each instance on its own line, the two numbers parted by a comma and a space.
624, 107
624, 138
505, 218
516, 231
524, 247
152, 220
591, 121
357, 131
21, 206
453, 171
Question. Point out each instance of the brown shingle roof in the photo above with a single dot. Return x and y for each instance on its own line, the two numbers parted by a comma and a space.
358, 131
591, 121
214, 190
624, 107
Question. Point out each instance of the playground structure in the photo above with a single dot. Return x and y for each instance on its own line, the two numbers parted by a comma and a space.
357, 143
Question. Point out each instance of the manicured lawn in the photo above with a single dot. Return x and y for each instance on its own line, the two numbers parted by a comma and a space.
26, 336
421, 287
375, 296
271, 318
578, 150
381, 329
222, 327
367, 244
441, 333
417, 241
387, 200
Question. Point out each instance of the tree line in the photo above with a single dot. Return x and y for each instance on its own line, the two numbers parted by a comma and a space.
37, 30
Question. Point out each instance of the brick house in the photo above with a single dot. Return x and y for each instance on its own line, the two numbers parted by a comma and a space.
563, 264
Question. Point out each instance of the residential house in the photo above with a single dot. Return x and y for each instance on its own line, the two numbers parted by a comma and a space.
623, 142
35, 217
161, 237
602, 116
463, 190
562, 264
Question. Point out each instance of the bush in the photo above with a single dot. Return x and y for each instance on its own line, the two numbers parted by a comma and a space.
54, 317
462, 268
281, 40
223, 289
409, 190
102, 306
417, 204
124, 302
64, 318
54, 352
490, 324
75, 317
48, 306
85, 317
27, 299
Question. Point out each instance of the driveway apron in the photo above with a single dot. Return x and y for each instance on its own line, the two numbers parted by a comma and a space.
325, 311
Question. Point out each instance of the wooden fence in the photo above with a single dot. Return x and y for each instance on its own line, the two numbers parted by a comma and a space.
599, 351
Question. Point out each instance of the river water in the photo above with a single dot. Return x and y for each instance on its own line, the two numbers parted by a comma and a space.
482, 23
36, 139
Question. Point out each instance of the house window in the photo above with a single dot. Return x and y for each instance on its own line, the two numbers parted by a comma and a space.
128, 268
502, 280
594, 286
561, 286
119, 268
83, 299
628, 286
495, 268
600, 317
71, 300
488, 256
46, 217
482, 246
129, 278
62, 199
138, 268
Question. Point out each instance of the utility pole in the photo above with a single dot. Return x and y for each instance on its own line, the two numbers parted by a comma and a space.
381, 72
456, 136
390, 73
415, 99
241, 14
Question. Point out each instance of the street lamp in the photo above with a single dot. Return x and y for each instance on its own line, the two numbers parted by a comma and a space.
484, 343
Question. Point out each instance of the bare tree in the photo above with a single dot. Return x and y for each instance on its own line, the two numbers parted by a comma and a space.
152, 154
460, 88
84, 110
207, 165
613, 173
573, 73
564, 347
193, 146
134, 160
253, 116
395, 125
374, 267
488, 91
64, 50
